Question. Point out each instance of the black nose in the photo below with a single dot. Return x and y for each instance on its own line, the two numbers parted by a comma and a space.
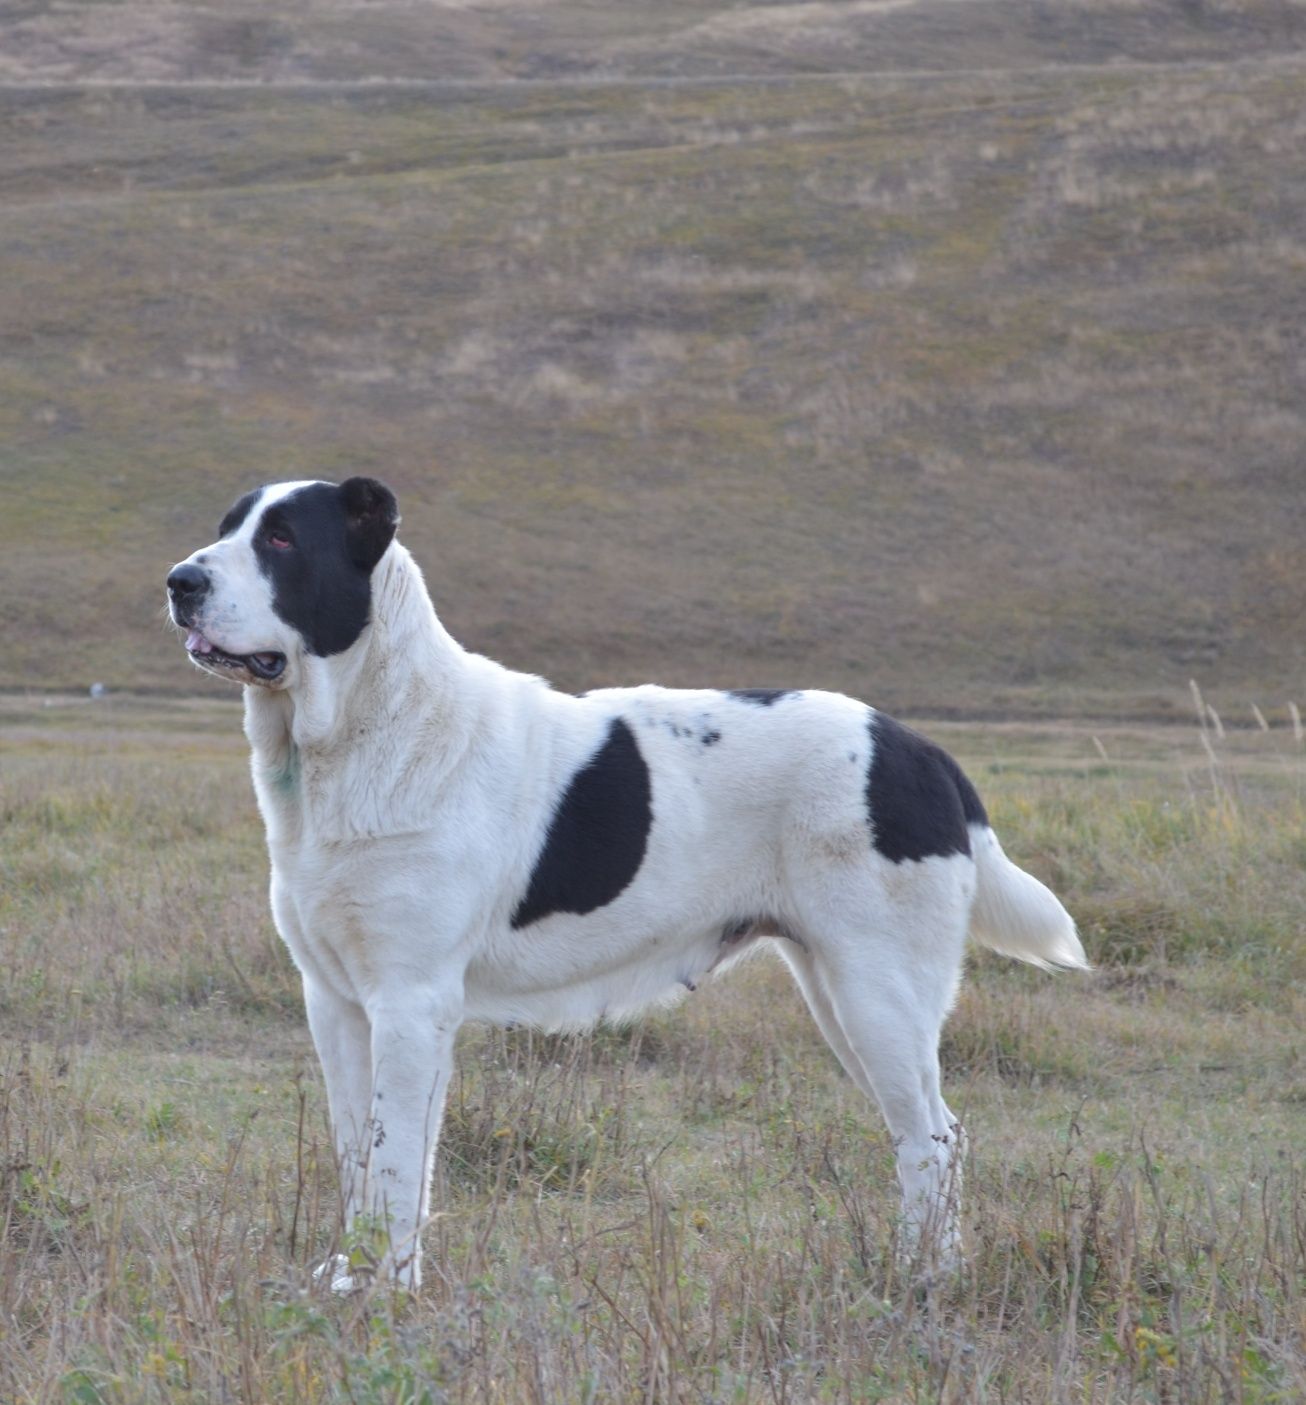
187, 583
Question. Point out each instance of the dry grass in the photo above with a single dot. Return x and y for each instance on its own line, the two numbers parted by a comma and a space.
698, 1208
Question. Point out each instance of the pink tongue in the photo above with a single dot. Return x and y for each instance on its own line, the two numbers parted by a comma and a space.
197, 643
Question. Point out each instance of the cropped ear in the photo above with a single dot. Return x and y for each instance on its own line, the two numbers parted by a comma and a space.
371, 516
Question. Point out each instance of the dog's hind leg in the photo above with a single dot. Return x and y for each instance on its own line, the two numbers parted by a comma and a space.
896, 1043
809, 979
880, 999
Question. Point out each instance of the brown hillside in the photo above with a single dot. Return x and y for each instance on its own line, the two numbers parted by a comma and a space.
964, 391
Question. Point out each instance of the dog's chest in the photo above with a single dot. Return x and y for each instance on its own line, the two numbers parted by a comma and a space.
333, 906
313, 803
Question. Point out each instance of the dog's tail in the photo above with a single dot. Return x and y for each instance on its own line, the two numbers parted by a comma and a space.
1015, 914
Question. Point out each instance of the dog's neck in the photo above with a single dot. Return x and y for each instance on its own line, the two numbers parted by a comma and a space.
397, 686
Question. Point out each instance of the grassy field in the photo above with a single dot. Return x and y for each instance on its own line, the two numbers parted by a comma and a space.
699, 1208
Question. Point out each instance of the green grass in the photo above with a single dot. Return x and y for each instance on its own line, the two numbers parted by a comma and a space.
700, 1206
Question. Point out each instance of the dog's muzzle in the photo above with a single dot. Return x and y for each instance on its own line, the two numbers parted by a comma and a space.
188, 585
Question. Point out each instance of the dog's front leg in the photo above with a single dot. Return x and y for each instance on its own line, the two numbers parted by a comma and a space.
412, 1063
343, 1039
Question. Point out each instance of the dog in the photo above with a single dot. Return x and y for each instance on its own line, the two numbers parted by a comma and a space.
451, 840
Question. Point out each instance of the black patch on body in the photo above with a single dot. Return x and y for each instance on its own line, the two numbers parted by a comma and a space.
710, 737
322, 582
917, 799
597, 836
761, 697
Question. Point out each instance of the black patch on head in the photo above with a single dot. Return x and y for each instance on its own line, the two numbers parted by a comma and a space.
237, 513
598, 834
762, 697
322, 580
917, 799
371, 517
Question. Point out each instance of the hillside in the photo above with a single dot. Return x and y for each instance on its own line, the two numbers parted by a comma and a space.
972, 382
135, 41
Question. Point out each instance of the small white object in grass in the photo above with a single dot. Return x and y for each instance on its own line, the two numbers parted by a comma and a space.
336, 1272
98, 690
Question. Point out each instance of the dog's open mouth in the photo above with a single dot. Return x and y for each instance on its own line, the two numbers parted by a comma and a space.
265, 667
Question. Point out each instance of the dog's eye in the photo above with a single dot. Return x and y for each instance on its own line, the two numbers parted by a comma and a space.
279, 539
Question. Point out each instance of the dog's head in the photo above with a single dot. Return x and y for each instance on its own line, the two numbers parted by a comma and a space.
290, 575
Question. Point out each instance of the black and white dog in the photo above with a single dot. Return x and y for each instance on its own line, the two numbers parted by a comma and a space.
454, 841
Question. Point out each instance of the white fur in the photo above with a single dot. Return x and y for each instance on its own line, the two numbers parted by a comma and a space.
407, 787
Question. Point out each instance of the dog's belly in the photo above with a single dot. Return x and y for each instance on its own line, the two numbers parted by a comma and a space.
659, 969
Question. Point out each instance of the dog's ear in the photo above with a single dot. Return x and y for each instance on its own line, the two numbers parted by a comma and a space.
371, 516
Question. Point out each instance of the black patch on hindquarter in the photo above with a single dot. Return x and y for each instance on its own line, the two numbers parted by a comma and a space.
322, 581
918, 801
761, 697
597, 836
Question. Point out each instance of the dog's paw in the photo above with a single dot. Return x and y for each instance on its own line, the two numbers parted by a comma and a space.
931, 1257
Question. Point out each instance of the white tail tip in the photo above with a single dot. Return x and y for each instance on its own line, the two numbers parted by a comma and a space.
1016, 915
